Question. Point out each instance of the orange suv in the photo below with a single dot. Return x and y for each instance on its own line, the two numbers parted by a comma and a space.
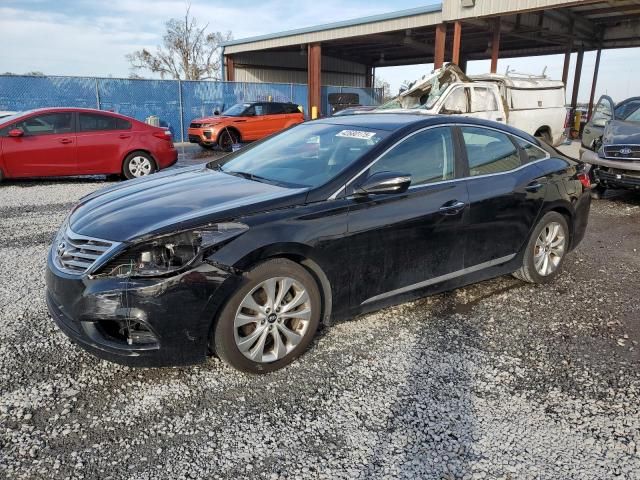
243, 122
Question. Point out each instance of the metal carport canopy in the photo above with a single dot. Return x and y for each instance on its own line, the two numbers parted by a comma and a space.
459, 30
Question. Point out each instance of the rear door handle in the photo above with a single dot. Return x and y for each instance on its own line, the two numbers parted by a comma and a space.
452, 208
66, 140
534, 186
124, 135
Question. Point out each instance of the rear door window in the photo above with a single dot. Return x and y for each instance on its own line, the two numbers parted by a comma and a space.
483, 100
47, 124
275, 109
531, 152
92, 122
489, 151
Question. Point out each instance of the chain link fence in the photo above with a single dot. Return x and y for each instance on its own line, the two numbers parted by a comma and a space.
175, 102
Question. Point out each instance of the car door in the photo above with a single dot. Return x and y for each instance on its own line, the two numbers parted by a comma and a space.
253, 124
506, 192
602, 114
102, 142
403, 242
46, 148
484, 104
276, 119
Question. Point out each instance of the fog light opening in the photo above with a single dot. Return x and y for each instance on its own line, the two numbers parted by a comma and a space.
128, 331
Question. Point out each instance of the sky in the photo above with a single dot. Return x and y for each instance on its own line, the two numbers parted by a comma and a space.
91, 38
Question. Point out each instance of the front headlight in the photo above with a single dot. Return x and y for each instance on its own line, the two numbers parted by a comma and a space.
171, 253
208, 125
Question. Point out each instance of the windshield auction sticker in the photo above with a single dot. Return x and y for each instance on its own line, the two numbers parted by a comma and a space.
356, 134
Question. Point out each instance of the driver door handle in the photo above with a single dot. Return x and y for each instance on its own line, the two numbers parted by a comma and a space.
452, 208
534, 186
66, 140
124, 135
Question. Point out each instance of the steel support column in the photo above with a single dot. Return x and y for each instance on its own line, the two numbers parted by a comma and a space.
457, 39
368, 80
567, 56
576, 80
594, 83
231, 71
314, 80
495, 45
441, 38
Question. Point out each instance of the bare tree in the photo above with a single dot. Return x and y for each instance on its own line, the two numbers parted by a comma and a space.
188, 52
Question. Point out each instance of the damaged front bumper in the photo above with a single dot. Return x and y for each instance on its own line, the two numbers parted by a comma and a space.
143, 322
613, 173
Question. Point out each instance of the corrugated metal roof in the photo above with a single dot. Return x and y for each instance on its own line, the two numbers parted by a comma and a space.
437, 7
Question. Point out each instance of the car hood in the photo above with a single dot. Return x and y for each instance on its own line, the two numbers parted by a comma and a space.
174, 200
619, 132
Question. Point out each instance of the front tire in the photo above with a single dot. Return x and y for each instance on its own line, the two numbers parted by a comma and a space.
545, 251
226, 139
138, 164
597, 192
270, 320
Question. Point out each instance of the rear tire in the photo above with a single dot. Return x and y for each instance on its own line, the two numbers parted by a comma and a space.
271, 318
138, 164
545, 252
544, 136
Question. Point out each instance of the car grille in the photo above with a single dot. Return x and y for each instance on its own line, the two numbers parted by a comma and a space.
195, 125
77, 254
622, 152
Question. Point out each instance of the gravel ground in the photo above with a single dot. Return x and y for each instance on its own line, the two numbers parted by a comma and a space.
497, 380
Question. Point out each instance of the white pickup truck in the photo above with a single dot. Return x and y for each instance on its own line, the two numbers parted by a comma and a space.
533, 104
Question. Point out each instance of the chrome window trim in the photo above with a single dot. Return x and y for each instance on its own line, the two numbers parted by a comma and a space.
352, 179
441, 278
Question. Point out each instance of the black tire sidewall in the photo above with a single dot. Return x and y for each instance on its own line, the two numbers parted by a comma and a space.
223, 339
528, 261
232, 139
125, 165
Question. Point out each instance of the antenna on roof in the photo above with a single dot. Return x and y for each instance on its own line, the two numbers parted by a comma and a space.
544, 71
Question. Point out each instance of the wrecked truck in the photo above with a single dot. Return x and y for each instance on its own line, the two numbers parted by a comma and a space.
534, 104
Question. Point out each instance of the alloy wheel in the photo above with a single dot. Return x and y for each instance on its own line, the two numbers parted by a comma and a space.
549, 249
272, 319
140, 166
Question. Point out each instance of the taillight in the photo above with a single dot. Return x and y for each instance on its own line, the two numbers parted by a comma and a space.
584, 179
164, 135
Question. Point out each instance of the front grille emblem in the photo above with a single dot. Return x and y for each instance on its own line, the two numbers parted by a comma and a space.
61, 250
625, 151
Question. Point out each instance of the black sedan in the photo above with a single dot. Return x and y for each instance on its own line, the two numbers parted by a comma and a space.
323, 221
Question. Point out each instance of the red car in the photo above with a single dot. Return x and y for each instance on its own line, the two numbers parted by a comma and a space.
76, 141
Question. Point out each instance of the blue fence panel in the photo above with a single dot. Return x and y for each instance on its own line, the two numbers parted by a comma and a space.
142, 98
19, 93
176, 103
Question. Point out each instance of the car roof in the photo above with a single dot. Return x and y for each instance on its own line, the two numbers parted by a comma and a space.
396, 121
74, 109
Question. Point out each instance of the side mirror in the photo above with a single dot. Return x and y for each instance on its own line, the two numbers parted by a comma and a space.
600, 122
16, 132
385, 183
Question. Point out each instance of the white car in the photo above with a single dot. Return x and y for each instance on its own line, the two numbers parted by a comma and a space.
533, 104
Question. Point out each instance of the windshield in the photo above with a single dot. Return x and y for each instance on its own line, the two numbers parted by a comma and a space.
237, 110
307, 155
628, 111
